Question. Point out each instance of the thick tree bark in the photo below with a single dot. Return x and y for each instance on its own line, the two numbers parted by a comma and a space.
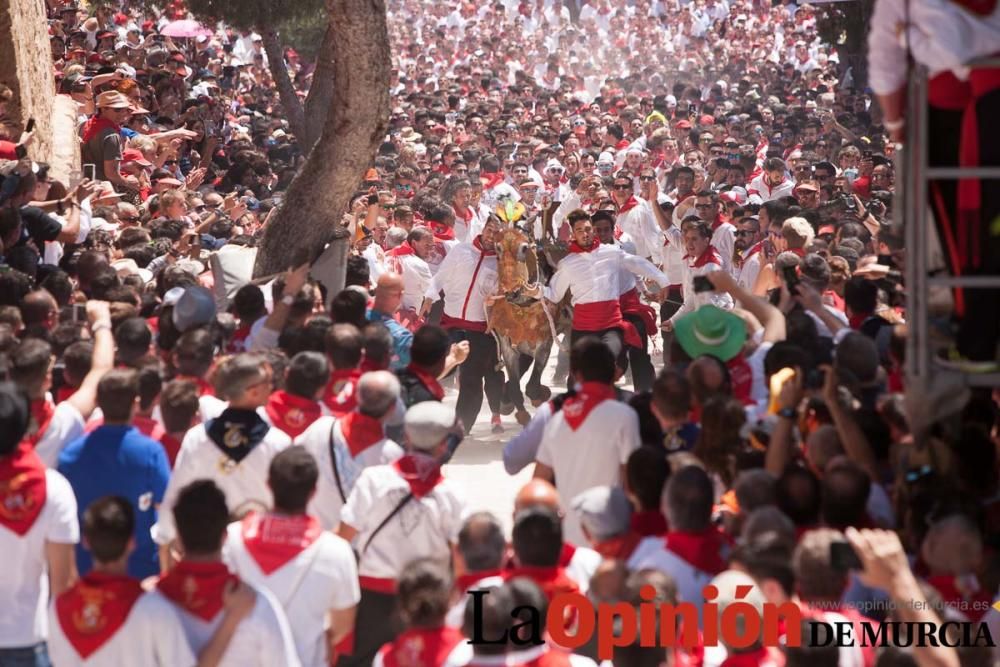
355, 126
290, 101
320, 95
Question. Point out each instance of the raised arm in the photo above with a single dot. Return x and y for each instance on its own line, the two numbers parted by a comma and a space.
770, 317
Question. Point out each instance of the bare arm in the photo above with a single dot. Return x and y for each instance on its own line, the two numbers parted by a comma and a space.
812, 301
61, 559
779, 448
294, 281
341, 623
770, 317
101, 361
855, 442
347, 531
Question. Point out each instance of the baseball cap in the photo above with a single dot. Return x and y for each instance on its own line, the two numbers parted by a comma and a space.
135, 155
195, 307
428, 423
604, 511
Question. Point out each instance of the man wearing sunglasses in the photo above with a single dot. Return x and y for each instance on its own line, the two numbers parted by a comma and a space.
635, 217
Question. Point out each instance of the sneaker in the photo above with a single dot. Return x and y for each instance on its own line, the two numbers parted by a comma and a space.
497, 426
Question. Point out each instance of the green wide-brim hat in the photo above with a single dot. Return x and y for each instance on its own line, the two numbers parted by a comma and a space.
711, 330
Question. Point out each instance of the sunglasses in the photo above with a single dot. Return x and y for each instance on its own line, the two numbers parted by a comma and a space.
647, 179
622, 186
128, 219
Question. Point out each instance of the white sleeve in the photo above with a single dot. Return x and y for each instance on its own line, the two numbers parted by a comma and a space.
345, 575
521, 450
887, 62
64, 528
276, 644
184, 472
571, 203
556, 289
163, 633
630, 439
652, 235
359, 503
726, 246
434, 287
643, 267
66, 425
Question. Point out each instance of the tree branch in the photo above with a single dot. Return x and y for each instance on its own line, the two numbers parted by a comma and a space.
320, 95
286, 89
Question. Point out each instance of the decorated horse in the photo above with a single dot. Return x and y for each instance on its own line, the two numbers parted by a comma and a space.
523, 327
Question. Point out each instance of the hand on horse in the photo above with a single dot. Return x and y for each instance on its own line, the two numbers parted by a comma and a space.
459, 351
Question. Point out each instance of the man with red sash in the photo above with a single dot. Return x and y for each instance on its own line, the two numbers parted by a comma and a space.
409, 260
398, 513
107, 619
344, 347
593, 271
310, 571
55, 426
468, 278
947, 36
344, 446
588, 442
38, 531
428, 359
197, 587
641, 316
693, 550
635, 217
294, 408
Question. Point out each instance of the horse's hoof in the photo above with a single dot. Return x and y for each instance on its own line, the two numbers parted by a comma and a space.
522, 417
544, 394
507, 408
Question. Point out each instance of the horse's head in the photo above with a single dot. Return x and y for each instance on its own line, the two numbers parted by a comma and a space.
517, 266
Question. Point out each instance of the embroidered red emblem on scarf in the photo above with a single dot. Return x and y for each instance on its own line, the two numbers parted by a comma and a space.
360, 431
428, 380
339, 396
22, 488
41, 415
273, 540
94, 609
442, 232
576, 408
292, 414
196, 587
422, 647
421, 472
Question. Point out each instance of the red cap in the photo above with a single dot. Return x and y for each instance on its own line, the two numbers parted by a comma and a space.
706, 120
580, 130
135, 155
683, 125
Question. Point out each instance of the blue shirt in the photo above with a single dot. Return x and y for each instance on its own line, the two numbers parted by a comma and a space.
402, 339
117, 460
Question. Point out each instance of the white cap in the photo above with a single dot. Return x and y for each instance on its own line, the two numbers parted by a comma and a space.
606, 158
671, 101
427, 424
604, 511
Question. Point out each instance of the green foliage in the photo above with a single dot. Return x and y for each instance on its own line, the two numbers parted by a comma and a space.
257, 14
304, 33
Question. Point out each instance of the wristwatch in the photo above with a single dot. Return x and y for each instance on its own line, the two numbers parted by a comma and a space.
788, 413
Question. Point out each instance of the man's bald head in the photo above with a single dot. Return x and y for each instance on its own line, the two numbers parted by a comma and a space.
377, 393
537, 492
39, 308
389, 293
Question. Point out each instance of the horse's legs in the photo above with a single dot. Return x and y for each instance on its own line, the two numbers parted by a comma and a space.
535, 390
512, 390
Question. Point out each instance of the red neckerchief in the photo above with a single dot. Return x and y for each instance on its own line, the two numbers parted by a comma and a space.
576, 247
441, 232
468, 580
196, 587
490, 181
421, 647
238, 341
403, 248
41, 414
148, 426
630, 204
753, 250
718, 222
96, 124
422, 477
478, 243
567, 554
274, 539
340, 396
204, 388
291, 413
619, 548
710, 256
369, 365
700, 550
855, 320
552, 580
467, 215
428, 380
22, 488
172, 446
648, 523
576, 408
360, 431
741, 379
64, 392
95, 608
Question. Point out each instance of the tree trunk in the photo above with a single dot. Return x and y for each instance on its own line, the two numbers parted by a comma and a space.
290, 101
355, 125
320, 95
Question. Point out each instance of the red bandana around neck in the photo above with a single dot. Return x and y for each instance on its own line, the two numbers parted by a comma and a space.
630, 204
420, 647
95, 608
420, 471
576, 408
441, 232
339, 396
22, 488
403, 248
204, 388
428, 380
710, 256
41, 415
360, 431
272, 540
701, 550
96, 124
490, 181
196, 587
648, 523
576, 247
552, 580
292, 414
369, 365
478, 243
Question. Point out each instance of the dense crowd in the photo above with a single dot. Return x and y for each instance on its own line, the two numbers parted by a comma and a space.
196, 468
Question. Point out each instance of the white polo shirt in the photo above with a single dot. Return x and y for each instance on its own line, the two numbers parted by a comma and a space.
151, 635
326, 504
244, 483
424, 528
24, 581
67, 425
321, 577
590, 456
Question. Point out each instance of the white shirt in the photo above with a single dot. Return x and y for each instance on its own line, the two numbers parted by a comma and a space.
590, 456
416, 278
152, 635
652, 553
694, 300
66, 425
467, 277
376, 261
321, 578
24, 581
262, 639
761, 188
640, 224
594, 276
724, 240
244, 483
326, 503
746, 275
424, 528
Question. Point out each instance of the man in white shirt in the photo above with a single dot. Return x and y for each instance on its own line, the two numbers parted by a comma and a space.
38, 533
409, 261
310, 571
701, 259
235, 448
635, 218
343, 447
106, 619
588, 442
399, 513
706, 205
196, 587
